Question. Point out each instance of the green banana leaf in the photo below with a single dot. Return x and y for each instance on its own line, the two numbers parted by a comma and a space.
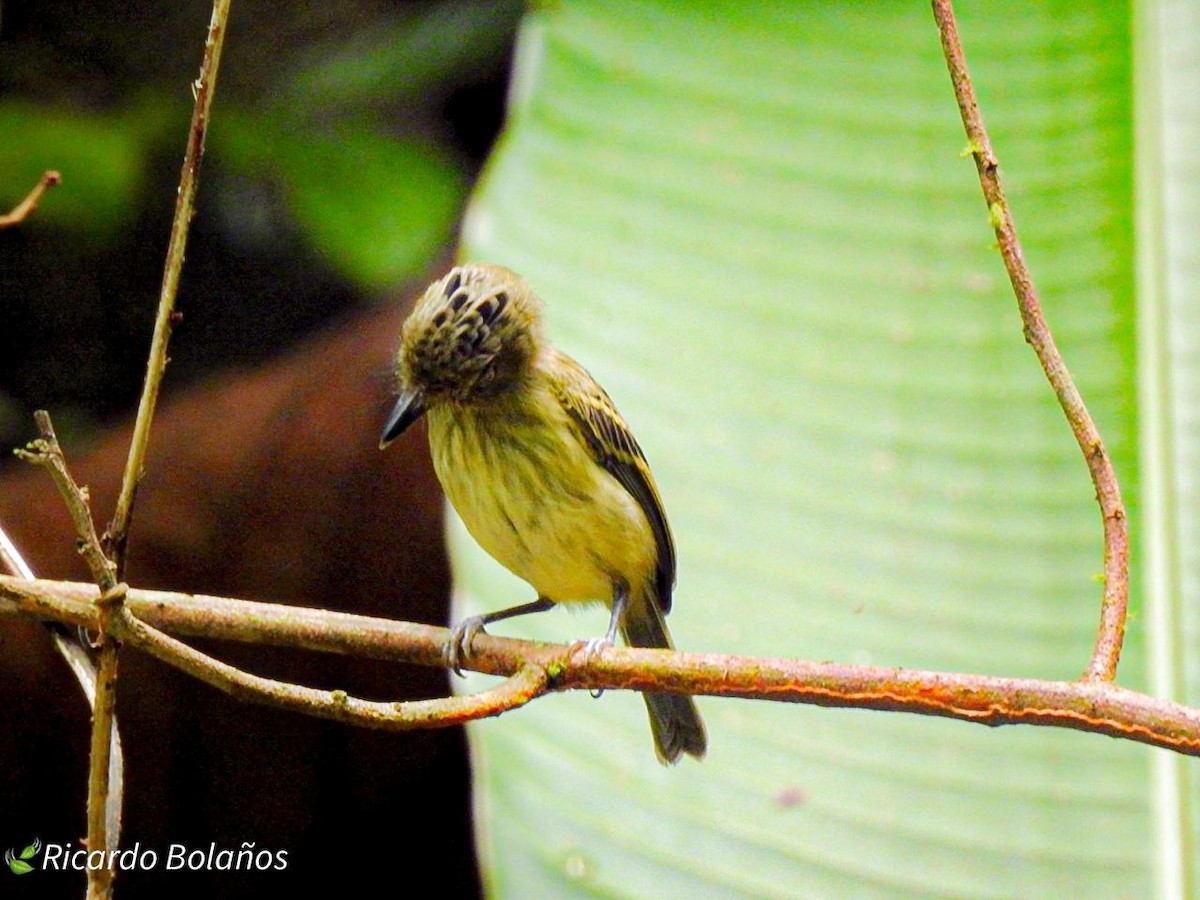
1168, 196
755, 226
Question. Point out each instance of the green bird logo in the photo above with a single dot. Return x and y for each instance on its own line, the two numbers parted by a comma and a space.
18, 863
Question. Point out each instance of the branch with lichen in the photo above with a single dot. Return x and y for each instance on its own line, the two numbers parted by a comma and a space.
1111, 633
534, 669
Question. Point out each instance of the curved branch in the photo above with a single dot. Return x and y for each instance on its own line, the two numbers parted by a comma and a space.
22, 210
526, 683
1111, 635
1094, 706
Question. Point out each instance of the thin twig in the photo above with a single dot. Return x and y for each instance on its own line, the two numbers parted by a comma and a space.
22, 210
45, 451
1111, 634
1093, 706
117, 538
524, 684
100, 760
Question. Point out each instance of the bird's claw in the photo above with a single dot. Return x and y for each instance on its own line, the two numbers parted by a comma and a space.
590, 648
458, 647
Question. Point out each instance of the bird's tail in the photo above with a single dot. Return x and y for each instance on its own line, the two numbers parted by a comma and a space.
674, 719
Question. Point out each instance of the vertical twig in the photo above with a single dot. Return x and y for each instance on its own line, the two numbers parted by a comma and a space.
19, 212
46, 452
100, 766
117, 537
1107, 651
106, 568
103, 721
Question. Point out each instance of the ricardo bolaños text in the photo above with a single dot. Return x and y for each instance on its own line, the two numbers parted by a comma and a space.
177, 857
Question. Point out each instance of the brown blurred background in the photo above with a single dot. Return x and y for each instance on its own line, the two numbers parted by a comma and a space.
344, 140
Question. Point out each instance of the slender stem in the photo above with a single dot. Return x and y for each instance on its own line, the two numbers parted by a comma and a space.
46, 452
100, 767
104, 790
22, 210
1095, 706
117, 539
1111, 634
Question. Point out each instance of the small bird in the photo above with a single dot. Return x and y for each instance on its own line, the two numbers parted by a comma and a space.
541, 468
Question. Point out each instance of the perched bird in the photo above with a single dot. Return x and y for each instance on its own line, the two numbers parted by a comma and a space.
541, 468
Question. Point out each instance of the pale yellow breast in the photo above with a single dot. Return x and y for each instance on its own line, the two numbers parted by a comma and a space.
531, 495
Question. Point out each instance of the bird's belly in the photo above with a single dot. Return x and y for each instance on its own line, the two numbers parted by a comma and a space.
545, 510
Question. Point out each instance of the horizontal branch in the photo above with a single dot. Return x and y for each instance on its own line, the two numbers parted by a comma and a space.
1093, 706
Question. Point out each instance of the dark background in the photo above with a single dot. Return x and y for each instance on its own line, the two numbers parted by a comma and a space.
344, 140
78, 283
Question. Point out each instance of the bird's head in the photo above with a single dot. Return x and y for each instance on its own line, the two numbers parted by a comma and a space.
471, 337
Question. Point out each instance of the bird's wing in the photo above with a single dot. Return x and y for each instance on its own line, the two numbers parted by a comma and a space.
612, 445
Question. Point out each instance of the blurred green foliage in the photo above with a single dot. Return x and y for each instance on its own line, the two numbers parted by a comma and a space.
374, 198
338, 159
375, 207
102, 161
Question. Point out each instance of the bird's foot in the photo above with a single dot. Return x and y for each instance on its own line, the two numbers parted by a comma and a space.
590, 648
458, 647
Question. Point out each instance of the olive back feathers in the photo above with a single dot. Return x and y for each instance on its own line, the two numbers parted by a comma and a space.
614, 449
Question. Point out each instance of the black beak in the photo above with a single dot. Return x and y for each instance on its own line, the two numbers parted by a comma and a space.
409, 407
